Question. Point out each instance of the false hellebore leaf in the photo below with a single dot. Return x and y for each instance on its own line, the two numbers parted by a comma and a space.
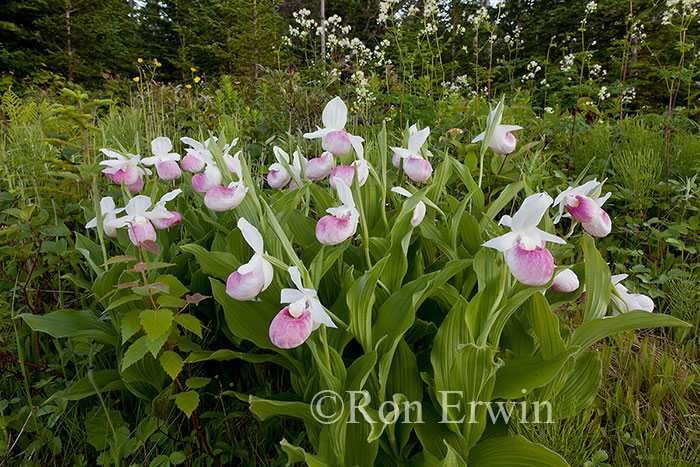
524, 247
294, 323
256, 275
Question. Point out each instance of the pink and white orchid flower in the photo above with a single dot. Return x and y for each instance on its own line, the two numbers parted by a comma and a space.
334, 138
198, 154
109, 215
222, 198
319, 168
342, 222
347, 173
164, 160
418, 211
294, 323
524, 247
167, 222
415, 165
628, 301
211, 177
138, 219
124, 168
584, 204
279, 176
565, 281
502, 140
255, 276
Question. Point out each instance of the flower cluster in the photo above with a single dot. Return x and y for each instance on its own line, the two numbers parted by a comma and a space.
532, 68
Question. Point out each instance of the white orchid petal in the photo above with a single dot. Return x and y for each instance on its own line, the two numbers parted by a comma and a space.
502, 243
344, 193
418, 139
335, 114
251, 235
402, 191
531, 211
291, 295
319, 315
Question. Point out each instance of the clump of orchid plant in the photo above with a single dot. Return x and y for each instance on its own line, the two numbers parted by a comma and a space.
294, 323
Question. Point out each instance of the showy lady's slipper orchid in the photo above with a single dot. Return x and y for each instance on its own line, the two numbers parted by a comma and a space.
167, 222
333, 138
256, 275
628, 301
294, 323
221, 198
109, 215
124, 168
584, 203
342, 222
347, 173
565, 281
416, 167
138, 219
502, 140
164, 160
418, 211
198, 154
279, 176
524, 247
319, 168
211, 177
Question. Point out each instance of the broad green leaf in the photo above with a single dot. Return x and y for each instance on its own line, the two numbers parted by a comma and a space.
102, 380
190, 323
545, 324
526, 372
360, 299
135, 352
171, 363
266, 408
131, 324
78, 324
175, 287
296, 454
218, 264
187, 402
359, 371
580, 387
598, 282
593, 331
197, 382
513, 451
156, 322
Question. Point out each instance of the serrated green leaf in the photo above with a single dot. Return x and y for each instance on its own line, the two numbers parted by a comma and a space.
135, 352
190, 323
131, 324
171, 363
187, 402
175, 287
156, 322
197, 382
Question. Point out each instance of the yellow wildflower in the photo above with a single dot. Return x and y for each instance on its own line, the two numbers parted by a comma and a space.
192, 69
140, 60
197, 79
188, 86
136, 79
237, 82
